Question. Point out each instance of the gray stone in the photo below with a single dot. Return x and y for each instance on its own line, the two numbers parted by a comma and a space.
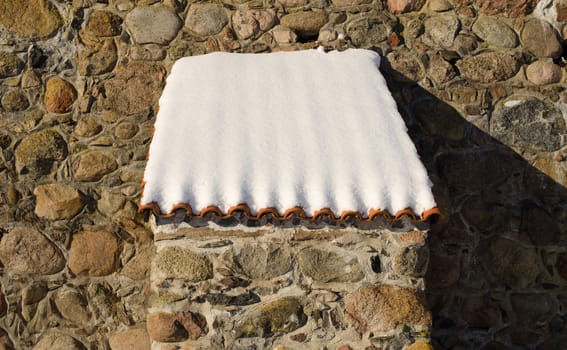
10, 65
93, 253
440, 30
305, 23
110, 203
99, 58
405, 66
403, 6
38, 151
72, 306
439, 70
14, 101
135, 88
280, 316
125, 130
153, 24
206, 19
30, 18
440, 5
138, 268
93, 165
26, 251
259, 262
87, 127
411, 261
365, 32
251, 23
544, 73
57, 201
541, 39
325, 266
58, 342
495, 32
489, 67
527, 122
149, 52
177, 262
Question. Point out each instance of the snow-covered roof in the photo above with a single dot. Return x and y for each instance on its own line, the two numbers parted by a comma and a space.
305, 133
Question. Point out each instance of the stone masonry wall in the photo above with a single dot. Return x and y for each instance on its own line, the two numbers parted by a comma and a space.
480, 83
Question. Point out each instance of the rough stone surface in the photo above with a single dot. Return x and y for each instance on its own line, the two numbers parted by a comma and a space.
441, 30
544, 73
135, 88
10, 65
324, 266
139, 267
59, 95
411, 261
250, 23
38, 151
506, 8
176, 262
126, 130
25, 250
93, 165
384, 307
495, 32
133, 338
87, 127
30, 18
93, 253
72, 306
305, 23
206, 19
533, 122
260, 262
58, 342
14, 101
510, 263
282, 315
541, 39
98, 59
57, 201
403, 6
439, 70
167, 327
489, 67
104, 23
153, 24
405, 67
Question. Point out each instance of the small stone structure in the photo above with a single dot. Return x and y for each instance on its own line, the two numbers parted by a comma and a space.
79, 83
287, 287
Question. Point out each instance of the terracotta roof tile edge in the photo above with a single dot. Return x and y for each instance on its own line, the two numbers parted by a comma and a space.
289, 213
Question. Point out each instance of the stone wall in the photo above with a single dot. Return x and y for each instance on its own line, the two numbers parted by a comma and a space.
480, 84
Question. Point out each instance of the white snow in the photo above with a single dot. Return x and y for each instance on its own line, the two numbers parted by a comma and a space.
281, 130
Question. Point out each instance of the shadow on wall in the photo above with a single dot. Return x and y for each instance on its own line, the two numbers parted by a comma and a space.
498, 267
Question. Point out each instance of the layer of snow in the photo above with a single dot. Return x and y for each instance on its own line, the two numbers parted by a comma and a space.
287, 129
